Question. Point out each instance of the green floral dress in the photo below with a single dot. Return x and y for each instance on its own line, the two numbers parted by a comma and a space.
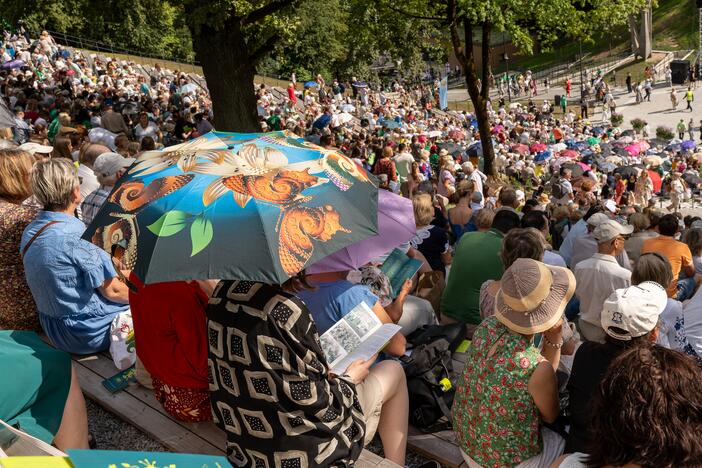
495, 418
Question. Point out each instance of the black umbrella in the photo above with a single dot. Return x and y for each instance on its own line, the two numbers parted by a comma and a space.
627, 171
629, 132
606, 149
576, 169
692, 178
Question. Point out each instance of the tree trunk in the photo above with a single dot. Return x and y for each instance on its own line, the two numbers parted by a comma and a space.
229, 72
478, 95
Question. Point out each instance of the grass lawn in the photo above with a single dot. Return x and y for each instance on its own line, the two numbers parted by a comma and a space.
675, 25
637, 68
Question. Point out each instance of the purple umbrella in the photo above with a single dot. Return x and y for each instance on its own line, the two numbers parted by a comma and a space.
687, 145
12, 64
395, 226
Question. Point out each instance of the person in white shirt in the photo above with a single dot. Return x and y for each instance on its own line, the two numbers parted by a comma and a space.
473, 175
585, 246
403, 163
599, 276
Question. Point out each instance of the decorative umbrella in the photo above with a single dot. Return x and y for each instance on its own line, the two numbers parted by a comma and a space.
572, 154
537, 147
687, 145
12, 64
644, 145
311, 84
584, 166
395, 226
256, 206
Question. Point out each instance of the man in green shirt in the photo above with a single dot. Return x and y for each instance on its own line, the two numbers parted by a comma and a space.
477, 259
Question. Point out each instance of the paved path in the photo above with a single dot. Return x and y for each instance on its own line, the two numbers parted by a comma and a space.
657, 112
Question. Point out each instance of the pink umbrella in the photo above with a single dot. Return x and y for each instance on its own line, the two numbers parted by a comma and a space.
584, 166
569, 153
633, 149
537, 148
521, 149
497, 129
644, 145
395, 226
456, 134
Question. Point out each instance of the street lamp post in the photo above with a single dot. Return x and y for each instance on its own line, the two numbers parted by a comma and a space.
580, 59
505, 57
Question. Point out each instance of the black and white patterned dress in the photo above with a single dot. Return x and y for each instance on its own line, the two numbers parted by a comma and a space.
270, 384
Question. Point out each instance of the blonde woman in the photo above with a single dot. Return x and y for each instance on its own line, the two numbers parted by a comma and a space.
447, 179
430, 240
643, 189
677, 189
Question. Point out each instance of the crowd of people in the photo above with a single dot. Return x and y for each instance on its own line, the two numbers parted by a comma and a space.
579, 297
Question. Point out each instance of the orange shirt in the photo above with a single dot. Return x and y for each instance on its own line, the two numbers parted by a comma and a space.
678, 254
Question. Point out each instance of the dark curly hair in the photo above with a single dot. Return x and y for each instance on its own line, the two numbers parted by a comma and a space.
648, 411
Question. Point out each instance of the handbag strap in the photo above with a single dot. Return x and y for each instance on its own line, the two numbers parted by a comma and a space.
34, 237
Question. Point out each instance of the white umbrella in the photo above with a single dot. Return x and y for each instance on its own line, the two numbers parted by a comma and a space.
345, 117
434, 133
348, 108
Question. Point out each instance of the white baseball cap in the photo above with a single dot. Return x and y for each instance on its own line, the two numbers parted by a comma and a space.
632, 312
33, 148
108, 164
609, 230
597, 219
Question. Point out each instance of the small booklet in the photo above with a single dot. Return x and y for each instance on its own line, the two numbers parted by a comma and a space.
359, 335
398, 267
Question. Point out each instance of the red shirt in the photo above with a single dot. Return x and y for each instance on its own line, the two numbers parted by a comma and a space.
170, 331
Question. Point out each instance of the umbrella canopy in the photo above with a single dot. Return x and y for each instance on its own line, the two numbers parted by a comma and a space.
257, 206
653, 160
575, 168
697, 156
348, 108
691, 178
395, 226
656, 179
12, 64
497, 129
311, 84
633, 149
456, 134
558, 147
542, 156
593, 140
644, 145
572, 154
584, 166
452, 148
476, 149
345, 117
521, 149
687, 145
627, 171
606, 166
359, 84
629, 133
434, 133
188, 88
537, 147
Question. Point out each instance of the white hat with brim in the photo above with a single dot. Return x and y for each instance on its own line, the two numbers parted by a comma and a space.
108, 164
34, 148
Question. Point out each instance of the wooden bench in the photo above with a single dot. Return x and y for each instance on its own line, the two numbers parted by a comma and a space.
137, 406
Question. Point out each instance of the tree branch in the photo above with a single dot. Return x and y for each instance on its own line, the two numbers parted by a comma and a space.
266, 10
262, 49
455, 38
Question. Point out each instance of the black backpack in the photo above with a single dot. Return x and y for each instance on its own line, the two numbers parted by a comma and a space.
431, 380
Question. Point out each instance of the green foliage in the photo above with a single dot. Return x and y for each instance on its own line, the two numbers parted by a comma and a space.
617, 119
664, 133
638, 124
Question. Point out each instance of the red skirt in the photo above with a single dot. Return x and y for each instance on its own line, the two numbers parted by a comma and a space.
184, 404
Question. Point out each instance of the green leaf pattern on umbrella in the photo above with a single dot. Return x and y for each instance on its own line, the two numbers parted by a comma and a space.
251, 167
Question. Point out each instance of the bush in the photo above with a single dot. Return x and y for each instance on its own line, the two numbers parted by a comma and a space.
617, 120
638, 124
664, 133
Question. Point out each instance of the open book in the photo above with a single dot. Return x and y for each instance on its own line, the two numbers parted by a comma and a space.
359, 335
398, 267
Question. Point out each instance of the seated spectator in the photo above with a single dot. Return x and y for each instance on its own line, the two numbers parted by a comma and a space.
629, 318
499, 406
334, 296
73, 282
585, 246
683, 285
257, 332
693, 239
431, 241
108, 168
665, 434
86, 158
170, 327
538, 220
518, 243
17, 309
460, 215
599, 276
41, 394
641, 233
476, 260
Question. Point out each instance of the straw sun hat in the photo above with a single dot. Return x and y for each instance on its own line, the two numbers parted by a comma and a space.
533, 296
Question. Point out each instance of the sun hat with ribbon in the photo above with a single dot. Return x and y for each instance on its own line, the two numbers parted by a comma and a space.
533, 296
